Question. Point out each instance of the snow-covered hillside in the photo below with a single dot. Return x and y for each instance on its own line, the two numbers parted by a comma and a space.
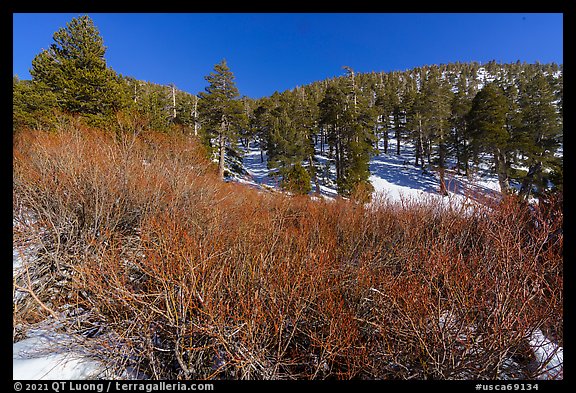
394, 177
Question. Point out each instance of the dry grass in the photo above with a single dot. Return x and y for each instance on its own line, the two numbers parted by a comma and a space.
195, 278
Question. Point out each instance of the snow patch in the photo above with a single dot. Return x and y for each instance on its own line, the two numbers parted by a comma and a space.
549, 361
48, 355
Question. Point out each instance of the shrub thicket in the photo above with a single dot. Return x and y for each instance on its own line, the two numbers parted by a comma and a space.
189, 277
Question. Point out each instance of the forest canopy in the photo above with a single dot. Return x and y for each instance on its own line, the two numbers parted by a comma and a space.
455, 115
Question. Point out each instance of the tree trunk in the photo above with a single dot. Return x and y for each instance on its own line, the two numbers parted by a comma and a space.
443, 189
441, 164
385, 135
500, 163
529, 179
173, 102
457, 154
195, 116
314, 175
419, 147
466, 158
337, 158
221, 148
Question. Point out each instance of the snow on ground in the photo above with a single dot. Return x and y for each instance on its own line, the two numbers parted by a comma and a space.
394, 177
397, 178
16, 259
549, 360
257, 168
256, 174
548, 363
45, 354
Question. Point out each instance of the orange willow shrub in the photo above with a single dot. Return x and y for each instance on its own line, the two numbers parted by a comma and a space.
195, 278
79, 187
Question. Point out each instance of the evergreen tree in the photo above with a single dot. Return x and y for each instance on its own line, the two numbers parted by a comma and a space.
460, 106
349, 120
262, 123
288, 143
399, 115
332, 109
415, 119
74, 70
305, 114
246, 132
221, 112
155, 105
361, 139
540, 132
296, 179
186, 107
436, 97
388, 103
513, 126
487, 121
32, 107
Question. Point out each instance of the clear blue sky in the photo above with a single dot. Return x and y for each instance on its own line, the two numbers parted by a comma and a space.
278, 51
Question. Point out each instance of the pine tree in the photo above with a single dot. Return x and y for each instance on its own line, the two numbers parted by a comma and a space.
540, 131
460, 106
32, 107
288, 142
331, 118
186, 106
156, 105
362, 139
221, 112
349, 120
487, 121
305, 114
399, 114
414, 105
262, 122
296, 179
415, 124
388, 103
513, 128
436, 97
74, 70
246, 132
